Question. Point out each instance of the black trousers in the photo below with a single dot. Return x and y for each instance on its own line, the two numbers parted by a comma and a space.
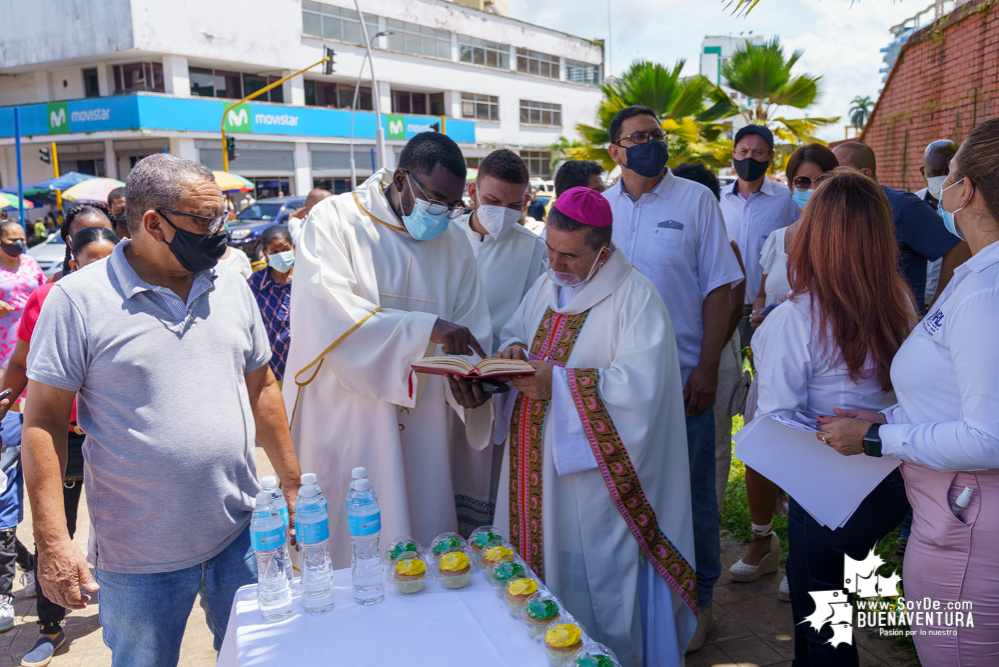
12, 553
51, 615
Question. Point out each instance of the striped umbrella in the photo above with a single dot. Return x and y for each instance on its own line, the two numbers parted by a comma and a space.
10, 201
94, 189
229, 182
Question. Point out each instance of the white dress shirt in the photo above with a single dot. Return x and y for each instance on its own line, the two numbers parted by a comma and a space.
797, 376
675, 236
774, 262
946, 375
750, 221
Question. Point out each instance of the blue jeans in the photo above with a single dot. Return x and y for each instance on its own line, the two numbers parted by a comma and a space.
144, 615
815, 563
704, 498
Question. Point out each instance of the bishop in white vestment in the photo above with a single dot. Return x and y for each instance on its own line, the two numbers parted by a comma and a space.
595, 491
369, 297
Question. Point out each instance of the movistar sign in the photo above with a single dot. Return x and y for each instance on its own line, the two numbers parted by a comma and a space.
238, 119
58, 118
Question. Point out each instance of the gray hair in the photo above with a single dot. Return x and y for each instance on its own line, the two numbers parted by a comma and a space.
160, 181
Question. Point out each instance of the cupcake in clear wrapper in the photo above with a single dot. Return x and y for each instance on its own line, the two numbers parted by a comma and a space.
506, 572
539, 612
409, 575
404, 547
562, 641
518, 592
497, 554
595, 655
446, 542
454, 569
483, 538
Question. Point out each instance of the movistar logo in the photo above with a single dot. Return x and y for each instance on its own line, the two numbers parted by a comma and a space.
395, 127
58, 118
237, 118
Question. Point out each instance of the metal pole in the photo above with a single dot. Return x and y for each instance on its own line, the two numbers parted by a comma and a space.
55, 172
20, 177
353, 108
375, 92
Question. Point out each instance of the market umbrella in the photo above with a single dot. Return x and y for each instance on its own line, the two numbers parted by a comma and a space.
229, 182
10, 201
64, 182
472, 174
94, 189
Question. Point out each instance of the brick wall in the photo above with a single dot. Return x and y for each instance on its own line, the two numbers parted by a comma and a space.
945, 81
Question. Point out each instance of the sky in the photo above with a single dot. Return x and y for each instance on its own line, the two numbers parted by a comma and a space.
841, 39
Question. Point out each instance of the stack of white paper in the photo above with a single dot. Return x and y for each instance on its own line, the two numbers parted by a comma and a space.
828, 485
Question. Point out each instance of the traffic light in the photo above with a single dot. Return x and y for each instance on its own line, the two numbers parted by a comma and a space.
328, 66
45, 155
230, 148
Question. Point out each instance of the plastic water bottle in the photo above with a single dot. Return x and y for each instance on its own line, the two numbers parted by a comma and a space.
962, 502
268, 536
270, 483
313, 532
365, 523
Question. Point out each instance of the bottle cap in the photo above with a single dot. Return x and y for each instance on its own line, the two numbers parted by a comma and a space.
362, 484
269, 481
308, 478
358, 473
264, 498
965, 498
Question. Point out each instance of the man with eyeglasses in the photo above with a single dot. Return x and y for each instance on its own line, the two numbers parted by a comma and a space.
672, 231
169, 360
753, 206
384, 278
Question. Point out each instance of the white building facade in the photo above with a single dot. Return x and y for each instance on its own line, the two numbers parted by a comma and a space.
122, 79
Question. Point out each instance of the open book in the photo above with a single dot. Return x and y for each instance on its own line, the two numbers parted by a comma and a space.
466, 369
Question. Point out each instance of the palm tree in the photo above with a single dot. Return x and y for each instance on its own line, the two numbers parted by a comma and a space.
763, 74
860, 109
689, 106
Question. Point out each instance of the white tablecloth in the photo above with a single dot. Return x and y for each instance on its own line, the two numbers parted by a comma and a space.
438, 626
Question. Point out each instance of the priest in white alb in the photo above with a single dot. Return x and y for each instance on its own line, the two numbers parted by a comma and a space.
382, 279
510, 258
595, 491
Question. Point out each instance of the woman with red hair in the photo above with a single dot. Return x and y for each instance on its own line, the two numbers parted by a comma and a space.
831, 346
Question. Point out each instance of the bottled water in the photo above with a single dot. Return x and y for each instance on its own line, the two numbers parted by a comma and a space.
312, 529
268, 536
365, 522
270, 483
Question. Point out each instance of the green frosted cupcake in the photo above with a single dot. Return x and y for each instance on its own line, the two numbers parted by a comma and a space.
540, 612
506, 572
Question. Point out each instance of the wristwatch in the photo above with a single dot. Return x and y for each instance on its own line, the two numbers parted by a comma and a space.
872, 441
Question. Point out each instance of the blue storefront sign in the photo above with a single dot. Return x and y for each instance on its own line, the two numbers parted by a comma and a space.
153, 112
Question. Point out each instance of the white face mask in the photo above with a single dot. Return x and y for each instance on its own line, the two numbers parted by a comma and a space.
497, 220
571, 279
933, 185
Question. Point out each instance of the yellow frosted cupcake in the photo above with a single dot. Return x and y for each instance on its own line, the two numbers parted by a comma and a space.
495, 555
455, 569
410, 575
562, 642
517, 594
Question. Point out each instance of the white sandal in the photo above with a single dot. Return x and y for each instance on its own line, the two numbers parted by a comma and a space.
742, 572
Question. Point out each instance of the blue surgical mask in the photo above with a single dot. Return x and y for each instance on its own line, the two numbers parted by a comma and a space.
948, 217
281, 261
422, 225
648, 159
801, 197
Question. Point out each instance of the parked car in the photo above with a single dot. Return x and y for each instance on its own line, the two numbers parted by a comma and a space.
50, 253
245, 231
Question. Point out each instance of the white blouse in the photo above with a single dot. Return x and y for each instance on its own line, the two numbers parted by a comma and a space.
946, 376
773, 259
797, 378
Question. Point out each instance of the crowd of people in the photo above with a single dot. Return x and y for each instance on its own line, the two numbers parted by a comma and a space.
162, 359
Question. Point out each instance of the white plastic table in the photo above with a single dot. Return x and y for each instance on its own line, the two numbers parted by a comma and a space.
436, 627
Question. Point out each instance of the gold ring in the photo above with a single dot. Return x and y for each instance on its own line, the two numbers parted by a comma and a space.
823, 439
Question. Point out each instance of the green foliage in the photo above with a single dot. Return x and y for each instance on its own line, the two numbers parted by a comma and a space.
860, 109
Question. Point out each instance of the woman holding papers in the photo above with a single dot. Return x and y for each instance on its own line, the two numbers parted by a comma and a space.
945, 427
831, 345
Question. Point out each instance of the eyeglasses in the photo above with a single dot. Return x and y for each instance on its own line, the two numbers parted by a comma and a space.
215, 224
437, 207
804, 182
642, 136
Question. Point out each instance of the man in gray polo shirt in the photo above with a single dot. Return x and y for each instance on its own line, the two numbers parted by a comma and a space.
169, 359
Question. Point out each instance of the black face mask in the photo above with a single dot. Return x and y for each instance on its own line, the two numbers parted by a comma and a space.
749, 169
197, 252
648, 159
13, 249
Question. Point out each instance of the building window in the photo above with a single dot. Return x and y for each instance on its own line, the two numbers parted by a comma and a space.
138, 76
479, 107
540, 64
480, 52
91, 88
337, 95
419, 39
537, 162
473, 162
202, 82
540, 113
578, 72
404, 101
216, 83
335, 22
253, 82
